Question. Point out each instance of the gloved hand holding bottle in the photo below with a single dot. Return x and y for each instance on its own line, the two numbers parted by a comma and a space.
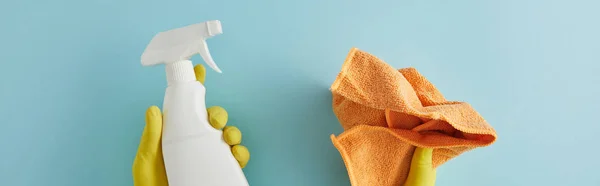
193, 151
148, 166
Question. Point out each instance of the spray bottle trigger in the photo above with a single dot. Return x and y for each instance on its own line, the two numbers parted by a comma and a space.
203, 51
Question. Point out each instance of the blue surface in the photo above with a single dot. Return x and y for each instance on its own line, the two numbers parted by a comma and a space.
73, 92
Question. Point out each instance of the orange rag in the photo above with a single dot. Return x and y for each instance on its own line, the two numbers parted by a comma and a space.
386, 112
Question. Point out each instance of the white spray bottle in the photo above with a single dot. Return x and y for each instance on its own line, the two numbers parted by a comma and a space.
195, 153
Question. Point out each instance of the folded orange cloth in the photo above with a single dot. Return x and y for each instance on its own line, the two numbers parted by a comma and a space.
386, 113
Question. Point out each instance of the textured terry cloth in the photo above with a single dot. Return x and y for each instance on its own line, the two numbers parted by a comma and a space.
386, 113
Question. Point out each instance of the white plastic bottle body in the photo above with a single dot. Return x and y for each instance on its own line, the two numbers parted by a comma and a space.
195, 153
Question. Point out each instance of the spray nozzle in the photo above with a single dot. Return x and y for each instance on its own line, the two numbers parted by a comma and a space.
181, 44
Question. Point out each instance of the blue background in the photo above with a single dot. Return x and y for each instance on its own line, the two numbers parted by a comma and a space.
73, 92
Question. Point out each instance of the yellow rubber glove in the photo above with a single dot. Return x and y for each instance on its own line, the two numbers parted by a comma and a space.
421, 171
148, 167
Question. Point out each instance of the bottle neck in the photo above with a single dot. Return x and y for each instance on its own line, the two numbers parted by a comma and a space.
181, 71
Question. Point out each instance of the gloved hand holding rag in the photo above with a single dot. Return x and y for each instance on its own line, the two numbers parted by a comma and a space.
389, 115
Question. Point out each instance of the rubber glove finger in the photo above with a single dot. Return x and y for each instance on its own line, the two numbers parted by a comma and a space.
232, 135
217, 117
148, 165
421, 172
241, 154
200, 72
150, 142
